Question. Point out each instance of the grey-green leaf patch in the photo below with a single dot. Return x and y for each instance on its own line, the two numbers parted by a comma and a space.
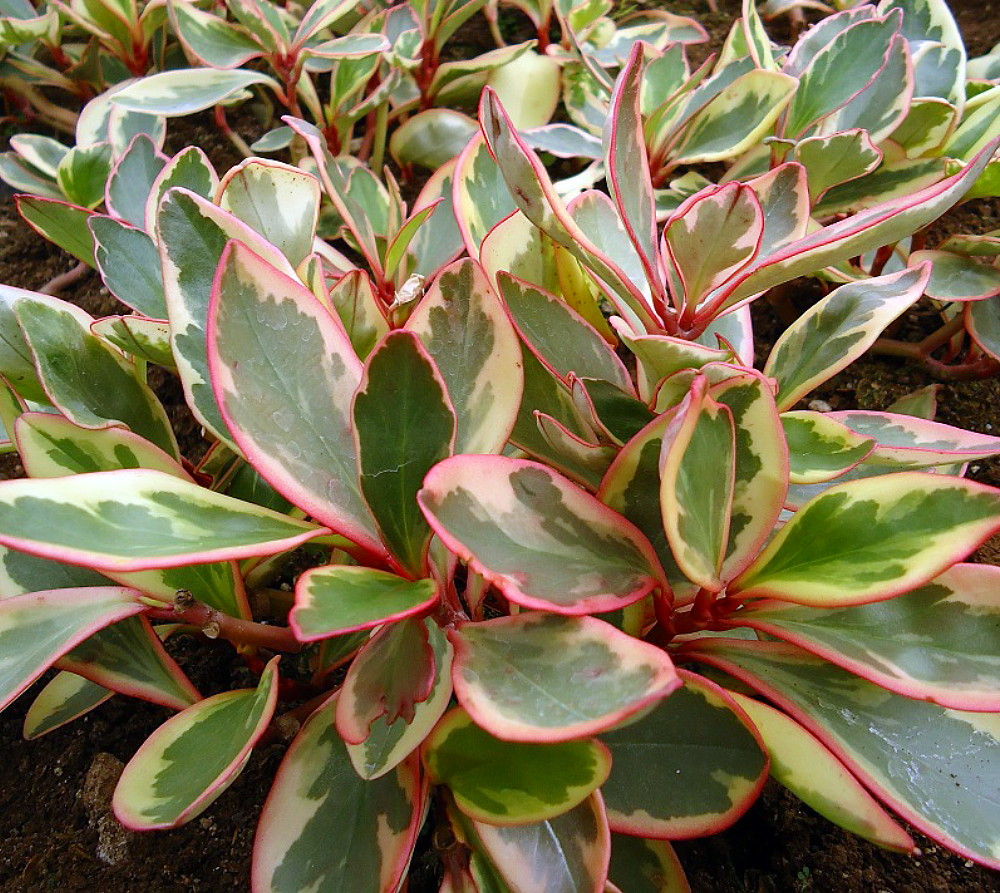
687, 768
129, 265
546, 543
511, 783
505, 677
189, 761
317, 789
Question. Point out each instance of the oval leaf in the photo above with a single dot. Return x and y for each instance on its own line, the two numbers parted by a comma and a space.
505, 676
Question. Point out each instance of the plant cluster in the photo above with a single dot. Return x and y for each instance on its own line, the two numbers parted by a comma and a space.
579, 575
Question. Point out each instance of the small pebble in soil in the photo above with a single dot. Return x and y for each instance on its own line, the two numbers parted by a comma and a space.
819, 406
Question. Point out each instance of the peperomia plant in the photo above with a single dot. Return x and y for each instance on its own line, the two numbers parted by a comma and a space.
567, 582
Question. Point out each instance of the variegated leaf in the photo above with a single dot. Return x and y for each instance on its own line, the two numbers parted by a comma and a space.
333, 600
559, 337
933, 766
138, 519
602, 677
393, 672
481, 197
16, 363
511, 783
536, 197
660, 356
882, 224
544, 542
65, 698
129, 265
628, 167
803, 764
138, 337
631, 487
403, 425
390, 742
709, 238
939, 642
193, 233
836, 158
189, 169
296, 426
462, 325
132, 179
109, 392
957, 278
317, 789
354, 300
872, 539
904, 441
642, 865
783, 194
737, 118
837, 330
847, 64
52, 446
61, 223
696, 486
687, 768
760, 467
187, 90
983, 323
189, 761
821, 448
565, 854
128, 657
37, 628
518, 247
276, 200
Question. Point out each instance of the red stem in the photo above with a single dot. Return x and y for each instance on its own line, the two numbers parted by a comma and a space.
216, 625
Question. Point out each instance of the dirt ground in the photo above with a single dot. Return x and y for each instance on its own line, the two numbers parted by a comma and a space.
56, 831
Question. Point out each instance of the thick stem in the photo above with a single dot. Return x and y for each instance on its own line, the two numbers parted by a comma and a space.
216, 625
921, 350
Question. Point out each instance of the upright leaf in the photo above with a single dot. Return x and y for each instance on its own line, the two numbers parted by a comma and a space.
463, 327
403, 425
284, 374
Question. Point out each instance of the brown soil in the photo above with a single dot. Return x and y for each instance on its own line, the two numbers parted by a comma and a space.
56, 833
